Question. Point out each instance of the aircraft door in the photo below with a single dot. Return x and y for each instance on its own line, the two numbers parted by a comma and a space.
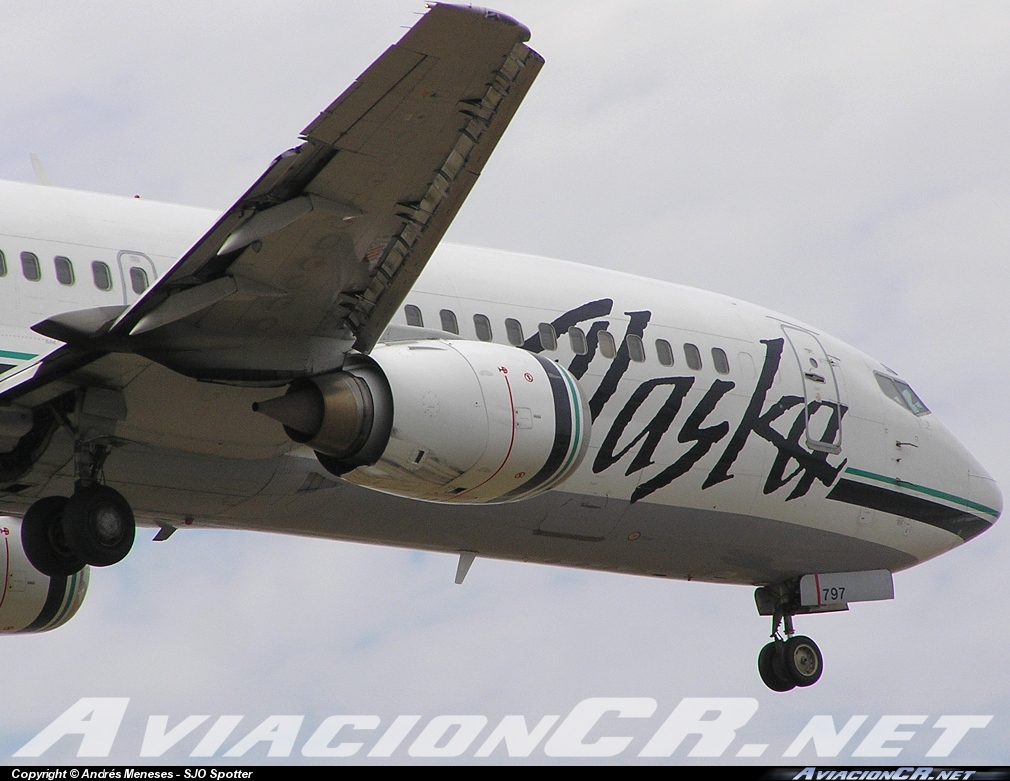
136, 274
820, 390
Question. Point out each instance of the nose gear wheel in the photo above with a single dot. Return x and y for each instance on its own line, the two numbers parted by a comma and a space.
802, 660
771, 670
789, 660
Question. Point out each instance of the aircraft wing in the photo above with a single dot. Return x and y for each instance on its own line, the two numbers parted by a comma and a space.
319, 253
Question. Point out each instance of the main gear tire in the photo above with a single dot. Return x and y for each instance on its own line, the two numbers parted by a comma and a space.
43, 539
99, 526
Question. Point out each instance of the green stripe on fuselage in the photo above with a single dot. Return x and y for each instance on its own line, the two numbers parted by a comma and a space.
923, 490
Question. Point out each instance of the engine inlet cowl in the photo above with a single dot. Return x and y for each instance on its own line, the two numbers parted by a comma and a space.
32, 601
443, 421
476, 423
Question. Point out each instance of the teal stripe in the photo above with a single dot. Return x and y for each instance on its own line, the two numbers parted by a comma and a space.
573, 395
924, 490
70, 601
576, 435
17, 356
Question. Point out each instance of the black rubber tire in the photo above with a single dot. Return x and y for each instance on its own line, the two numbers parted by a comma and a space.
770, 668
43, 541
802, 661
99, 526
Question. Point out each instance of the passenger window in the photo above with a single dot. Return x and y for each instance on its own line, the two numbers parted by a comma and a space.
693, 356
636, 350
483, 327
664, 352
413, 316
3, 264
720, 360
64, 270
514, 332
100, 273
30, 267
138, 280
548, 338
608, 349
449, 322
577, 338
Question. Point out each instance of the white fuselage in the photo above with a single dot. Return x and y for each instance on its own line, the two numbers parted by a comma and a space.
728, 443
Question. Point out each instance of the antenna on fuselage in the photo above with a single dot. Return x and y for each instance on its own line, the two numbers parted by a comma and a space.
41, 175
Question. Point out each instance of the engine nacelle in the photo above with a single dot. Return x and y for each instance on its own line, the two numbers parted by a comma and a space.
444, 421
31, 601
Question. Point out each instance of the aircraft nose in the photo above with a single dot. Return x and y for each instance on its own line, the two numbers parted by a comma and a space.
979, 497
984, 493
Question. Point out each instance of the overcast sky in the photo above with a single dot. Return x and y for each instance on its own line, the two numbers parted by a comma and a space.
844, 162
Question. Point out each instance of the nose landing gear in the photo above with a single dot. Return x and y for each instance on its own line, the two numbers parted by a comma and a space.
94, 526
785, 664
789, 660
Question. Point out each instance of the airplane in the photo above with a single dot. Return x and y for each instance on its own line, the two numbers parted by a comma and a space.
315, 362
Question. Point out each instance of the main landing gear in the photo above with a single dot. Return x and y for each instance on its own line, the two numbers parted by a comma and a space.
789, 660
94, 526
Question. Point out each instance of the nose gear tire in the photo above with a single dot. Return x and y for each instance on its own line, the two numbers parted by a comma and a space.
802, 660
770, 666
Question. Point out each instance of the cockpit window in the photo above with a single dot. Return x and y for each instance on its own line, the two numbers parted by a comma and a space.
912, 401
901, 393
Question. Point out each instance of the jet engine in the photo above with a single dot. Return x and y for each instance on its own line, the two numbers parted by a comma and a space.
29, 600
443, 421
